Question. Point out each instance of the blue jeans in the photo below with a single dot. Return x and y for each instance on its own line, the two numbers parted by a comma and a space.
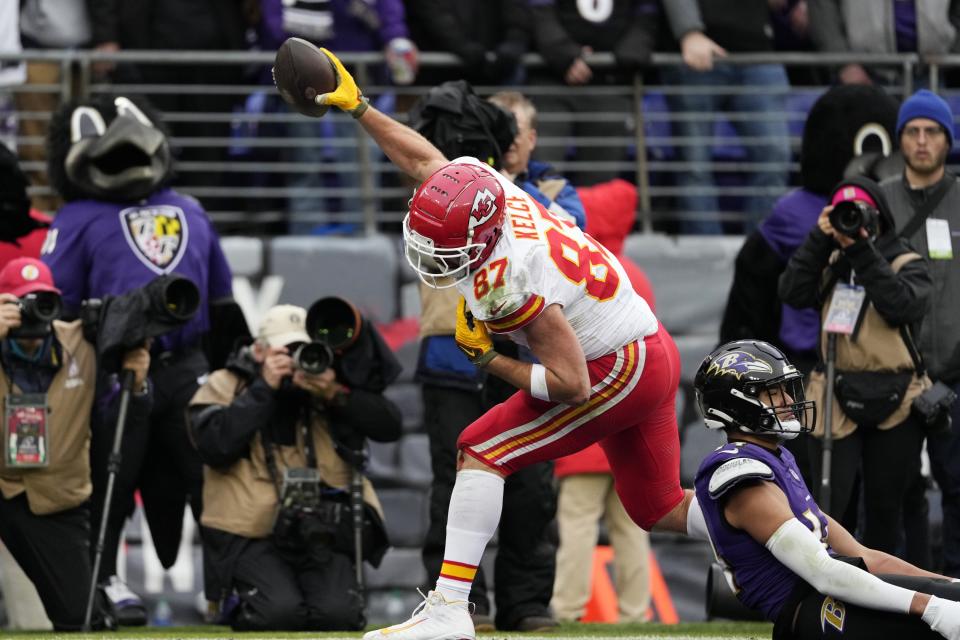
770, 144
944, 452
335, 141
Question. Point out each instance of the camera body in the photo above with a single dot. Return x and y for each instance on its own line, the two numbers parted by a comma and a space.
38, 310
304, 519
932, 408
849, 216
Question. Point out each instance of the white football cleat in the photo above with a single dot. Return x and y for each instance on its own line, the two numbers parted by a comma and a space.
436, 618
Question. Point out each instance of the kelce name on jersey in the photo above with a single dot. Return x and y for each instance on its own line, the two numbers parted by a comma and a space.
521, 217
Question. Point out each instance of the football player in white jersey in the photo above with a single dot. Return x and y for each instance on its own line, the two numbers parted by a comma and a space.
608, 372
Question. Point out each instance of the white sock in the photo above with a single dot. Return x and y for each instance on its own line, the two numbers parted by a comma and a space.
474, 514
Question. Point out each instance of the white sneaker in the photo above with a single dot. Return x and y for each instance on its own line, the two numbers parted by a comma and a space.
127, 605
436, 618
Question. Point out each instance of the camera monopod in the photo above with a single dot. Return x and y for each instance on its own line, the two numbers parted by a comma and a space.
827, 455
357, 459
127, 378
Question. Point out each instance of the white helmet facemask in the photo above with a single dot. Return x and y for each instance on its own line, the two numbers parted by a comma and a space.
438, 267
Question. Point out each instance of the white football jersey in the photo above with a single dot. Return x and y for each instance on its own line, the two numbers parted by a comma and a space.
541, 260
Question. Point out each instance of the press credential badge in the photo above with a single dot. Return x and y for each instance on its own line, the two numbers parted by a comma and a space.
25, 430
938, 239
844, 309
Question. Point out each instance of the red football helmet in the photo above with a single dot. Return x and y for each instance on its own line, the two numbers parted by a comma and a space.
455, 220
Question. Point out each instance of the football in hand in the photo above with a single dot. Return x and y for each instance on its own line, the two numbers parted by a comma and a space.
302, 72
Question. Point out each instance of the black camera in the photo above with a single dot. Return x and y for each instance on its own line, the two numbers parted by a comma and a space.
116, 324
38, 310
932, 408
304, 519
849, 216
313, 357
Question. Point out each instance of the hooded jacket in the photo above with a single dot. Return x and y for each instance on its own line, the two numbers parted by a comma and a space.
895, 297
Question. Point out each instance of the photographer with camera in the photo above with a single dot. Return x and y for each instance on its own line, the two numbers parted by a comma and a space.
871, 290
278, 430
48, 387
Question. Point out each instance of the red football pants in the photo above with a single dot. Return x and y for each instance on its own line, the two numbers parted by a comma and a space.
630, 412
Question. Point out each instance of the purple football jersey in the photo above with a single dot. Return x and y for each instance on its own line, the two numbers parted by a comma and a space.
95, 249
759, 579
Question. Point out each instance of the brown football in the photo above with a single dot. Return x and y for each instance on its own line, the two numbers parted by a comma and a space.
302, 72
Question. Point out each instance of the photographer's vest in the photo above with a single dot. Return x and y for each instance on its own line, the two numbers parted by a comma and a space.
65, 482
242, 499
879, 347
438, 311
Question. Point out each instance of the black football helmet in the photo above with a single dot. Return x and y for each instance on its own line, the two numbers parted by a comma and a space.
751, 386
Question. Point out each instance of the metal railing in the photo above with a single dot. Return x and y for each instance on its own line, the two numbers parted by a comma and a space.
259, 167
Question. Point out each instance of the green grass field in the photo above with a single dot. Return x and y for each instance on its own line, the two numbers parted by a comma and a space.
705, 631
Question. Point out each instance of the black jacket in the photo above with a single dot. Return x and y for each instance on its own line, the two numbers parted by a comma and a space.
900, 298
629, 31
169, 24
490, 36
223, 435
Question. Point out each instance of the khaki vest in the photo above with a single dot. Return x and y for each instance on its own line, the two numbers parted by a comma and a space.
879, 347
65, 482
438, 311
242, 499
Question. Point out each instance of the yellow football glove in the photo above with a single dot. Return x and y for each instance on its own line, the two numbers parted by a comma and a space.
347, 95
472, 336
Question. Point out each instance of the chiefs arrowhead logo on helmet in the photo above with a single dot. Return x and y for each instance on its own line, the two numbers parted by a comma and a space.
484, 207
455, 220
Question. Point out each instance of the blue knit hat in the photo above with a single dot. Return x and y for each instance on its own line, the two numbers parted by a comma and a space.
926, 104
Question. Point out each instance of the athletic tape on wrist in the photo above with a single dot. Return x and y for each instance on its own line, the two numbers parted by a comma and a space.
538, 382
361, 108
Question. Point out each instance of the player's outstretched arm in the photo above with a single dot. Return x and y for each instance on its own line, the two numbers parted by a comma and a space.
876, 561
408, 150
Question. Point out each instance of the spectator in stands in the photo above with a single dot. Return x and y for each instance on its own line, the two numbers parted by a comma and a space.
275, 484
883, 26
48, 382
24, 228
537, 178
178, 25
704, 84
489, 37
455, 393
873, 271
46, 25
566, 32
117, 231
925, 201
340, 25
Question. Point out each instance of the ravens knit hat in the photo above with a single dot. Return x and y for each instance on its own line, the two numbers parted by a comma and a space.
926, 104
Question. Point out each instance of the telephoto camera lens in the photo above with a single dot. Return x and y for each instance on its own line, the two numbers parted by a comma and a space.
313, 357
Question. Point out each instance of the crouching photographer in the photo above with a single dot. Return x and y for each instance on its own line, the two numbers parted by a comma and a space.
278, 430
871, 290
48, 386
